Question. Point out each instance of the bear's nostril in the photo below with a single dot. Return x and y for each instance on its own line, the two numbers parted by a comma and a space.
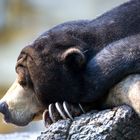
3, 107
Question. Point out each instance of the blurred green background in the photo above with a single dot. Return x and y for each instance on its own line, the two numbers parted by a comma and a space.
21, 21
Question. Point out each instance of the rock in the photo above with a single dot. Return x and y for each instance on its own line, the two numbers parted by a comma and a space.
119, 123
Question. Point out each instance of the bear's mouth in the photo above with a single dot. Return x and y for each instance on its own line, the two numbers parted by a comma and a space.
59, 111
9, 119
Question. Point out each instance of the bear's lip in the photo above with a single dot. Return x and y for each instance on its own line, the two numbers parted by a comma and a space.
8, 119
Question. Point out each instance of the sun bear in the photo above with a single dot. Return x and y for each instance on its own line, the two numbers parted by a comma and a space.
77, 62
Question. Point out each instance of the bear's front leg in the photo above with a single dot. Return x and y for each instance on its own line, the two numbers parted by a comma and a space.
110, 66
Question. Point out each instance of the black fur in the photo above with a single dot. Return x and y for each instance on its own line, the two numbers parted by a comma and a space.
118, 23
110, 66
104, 65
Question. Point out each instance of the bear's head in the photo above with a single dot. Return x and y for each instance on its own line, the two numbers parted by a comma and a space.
48, 70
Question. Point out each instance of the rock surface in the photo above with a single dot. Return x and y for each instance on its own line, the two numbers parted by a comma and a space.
120, 123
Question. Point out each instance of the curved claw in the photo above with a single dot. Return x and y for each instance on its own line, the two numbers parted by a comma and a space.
82, 109
46, 118
65, 106
51, 113
60, 110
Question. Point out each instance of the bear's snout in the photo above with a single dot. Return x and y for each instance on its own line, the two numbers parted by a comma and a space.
19, 106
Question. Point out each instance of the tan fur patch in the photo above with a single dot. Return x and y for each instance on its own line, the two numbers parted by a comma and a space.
126, 92
22, 103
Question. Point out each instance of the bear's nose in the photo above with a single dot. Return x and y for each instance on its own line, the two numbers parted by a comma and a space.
3, 107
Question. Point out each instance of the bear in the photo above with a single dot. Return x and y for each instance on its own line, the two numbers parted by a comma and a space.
77, 62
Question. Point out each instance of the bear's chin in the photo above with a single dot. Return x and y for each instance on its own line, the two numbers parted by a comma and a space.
9, 119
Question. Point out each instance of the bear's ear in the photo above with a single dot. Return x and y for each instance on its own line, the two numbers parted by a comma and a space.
73, 58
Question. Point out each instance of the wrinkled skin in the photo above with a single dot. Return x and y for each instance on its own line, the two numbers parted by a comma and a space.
73, 62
